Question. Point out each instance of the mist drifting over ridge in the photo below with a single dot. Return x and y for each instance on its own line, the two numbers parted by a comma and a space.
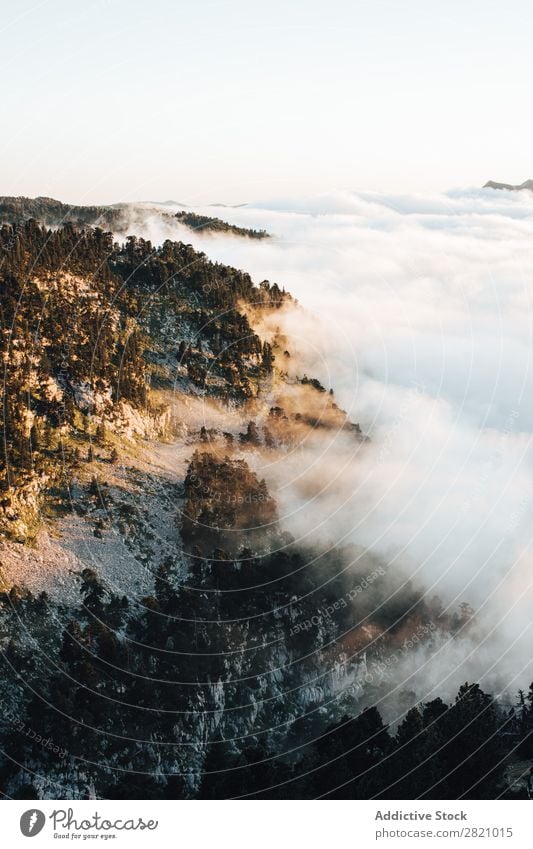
417, 310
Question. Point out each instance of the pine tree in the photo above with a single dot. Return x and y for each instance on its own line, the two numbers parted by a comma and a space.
100, 434
35, 437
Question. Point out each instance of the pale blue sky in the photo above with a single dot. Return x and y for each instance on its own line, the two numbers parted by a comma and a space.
236, 101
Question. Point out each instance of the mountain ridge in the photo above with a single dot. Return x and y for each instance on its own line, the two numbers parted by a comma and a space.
526, 185
120, 218
206, 651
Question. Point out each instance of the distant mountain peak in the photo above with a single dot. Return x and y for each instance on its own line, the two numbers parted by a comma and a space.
527, 184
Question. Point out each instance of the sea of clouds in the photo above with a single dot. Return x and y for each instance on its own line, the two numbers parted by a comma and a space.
418, 312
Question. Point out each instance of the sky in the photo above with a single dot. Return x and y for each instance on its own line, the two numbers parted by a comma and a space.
205, 102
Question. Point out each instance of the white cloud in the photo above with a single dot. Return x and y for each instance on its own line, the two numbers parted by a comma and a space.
418, 312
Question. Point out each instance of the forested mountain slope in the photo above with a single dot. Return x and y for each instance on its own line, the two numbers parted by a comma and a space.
163, 634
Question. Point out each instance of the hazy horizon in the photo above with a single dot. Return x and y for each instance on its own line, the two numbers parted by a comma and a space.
230, 102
